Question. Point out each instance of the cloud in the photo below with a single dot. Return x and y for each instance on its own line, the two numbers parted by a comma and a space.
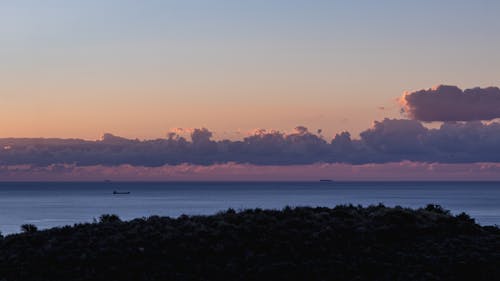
450, 103
453, 142
405, 170
389, 140
393, 136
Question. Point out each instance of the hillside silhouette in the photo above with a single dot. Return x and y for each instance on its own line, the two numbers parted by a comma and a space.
303, 243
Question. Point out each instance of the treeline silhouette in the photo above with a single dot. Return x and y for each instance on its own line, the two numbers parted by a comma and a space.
303, 243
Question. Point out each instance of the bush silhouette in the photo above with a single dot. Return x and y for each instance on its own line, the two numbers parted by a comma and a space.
29, 228
437, 209
109, 218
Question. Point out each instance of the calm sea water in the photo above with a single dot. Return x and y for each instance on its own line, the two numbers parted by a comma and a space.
55, 204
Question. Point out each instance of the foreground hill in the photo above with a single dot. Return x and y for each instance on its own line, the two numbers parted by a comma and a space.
343, 243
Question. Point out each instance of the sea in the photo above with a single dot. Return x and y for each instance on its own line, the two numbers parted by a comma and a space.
51, 204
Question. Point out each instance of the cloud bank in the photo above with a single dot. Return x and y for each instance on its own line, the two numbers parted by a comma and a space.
389, 140
462, 139
247, 172
450, 103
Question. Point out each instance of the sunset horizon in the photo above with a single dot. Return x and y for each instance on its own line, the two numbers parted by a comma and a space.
249, 140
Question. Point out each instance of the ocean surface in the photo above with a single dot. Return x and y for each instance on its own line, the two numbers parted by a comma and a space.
56, 204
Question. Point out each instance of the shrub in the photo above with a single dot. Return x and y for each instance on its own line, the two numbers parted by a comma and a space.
109, 218
437, 209
465, 217
29, 228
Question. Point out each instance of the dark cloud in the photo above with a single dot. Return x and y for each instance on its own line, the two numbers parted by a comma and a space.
450, 103
393, 136
389, 140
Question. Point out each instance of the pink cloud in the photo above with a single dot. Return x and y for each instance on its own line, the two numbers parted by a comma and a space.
246, 172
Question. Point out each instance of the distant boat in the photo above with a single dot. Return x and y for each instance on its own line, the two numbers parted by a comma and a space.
121, 192
325, 180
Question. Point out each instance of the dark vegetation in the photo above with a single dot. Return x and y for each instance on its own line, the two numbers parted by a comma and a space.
29, 228
109, 219
343, 243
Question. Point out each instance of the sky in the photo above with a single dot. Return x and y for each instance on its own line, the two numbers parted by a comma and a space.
354, 85
78, 69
